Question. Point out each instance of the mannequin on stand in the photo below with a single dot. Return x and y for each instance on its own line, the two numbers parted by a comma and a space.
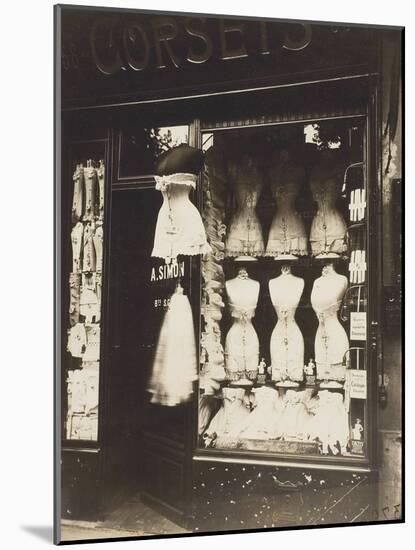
331, 343
328, 230
287, 342
242, 344
244, 239
287, 237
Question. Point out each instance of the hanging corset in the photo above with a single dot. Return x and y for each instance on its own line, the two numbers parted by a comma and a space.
78, 179
101, 184
98, 240
74, 297
77, 242
89, 303
89, 256
90, 193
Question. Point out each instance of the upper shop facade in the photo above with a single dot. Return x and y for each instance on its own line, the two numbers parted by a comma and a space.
294, 415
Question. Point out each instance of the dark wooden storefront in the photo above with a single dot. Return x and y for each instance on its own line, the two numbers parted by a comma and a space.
124, 70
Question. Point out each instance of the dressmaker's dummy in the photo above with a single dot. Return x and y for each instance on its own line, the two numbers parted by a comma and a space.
101, 184
328, 230
76, 239
89, 255
242, 345
179, 228
244, 238
90, 174
287, 237
287, 343
78, 181
331, 341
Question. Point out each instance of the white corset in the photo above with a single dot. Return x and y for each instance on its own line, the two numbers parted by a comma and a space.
78, 179
76, 239
331, 342
90, 192
179, 229
244, 237
287, 233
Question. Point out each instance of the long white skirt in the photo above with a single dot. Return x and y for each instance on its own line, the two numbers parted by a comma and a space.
175, 368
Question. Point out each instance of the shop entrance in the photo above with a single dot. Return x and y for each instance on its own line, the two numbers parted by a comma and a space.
139, 434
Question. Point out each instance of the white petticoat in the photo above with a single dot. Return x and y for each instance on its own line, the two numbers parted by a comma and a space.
174, 368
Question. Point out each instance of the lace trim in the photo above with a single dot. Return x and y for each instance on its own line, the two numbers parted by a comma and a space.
181, 178
190, 250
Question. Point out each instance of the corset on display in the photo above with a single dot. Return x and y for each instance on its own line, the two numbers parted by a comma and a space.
287, 342
241, 345
179, 228
287, 234
331, 343
244, 237
232, 416
328, 230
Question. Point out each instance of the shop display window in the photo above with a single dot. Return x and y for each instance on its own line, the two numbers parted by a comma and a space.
83, 342
283, 355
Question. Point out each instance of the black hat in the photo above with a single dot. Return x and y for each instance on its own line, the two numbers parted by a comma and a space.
181, 159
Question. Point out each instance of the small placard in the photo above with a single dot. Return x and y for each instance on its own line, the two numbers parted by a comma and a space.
358, 384
357, 446
358, 325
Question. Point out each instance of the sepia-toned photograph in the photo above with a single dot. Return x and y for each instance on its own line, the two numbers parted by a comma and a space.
228, 321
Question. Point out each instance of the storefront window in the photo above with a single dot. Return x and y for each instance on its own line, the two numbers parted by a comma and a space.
283, 359
83, 344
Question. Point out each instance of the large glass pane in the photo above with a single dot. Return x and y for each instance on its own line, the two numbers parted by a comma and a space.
140, 146
284, 297
85, 283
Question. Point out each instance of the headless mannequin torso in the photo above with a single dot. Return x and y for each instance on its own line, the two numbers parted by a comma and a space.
244, 237
328, 229
242, 344
331, 341
287, 343
287, 237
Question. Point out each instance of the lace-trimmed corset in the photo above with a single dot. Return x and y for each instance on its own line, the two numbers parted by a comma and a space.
179, 229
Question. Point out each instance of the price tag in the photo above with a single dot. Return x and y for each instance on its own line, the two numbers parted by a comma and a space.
358, 324
358, 384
